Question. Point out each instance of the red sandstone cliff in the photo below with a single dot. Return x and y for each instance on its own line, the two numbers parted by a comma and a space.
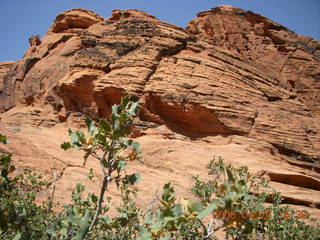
232, 84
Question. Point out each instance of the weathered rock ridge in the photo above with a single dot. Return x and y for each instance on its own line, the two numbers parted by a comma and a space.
233, 83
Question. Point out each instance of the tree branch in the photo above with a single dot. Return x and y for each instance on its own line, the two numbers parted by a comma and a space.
106, 179
105, 182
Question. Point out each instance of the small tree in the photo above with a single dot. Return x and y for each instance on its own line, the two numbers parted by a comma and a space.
106, 142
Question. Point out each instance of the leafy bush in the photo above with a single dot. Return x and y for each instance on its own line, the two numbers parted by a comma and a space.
20, 217
233, 200
237, 198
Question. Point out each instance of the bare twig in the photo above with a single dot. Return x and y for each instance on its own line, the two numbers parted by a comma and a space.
208, 229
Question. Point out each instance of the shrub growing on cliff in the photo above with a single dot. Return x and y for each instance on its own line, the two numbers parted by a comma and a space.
20, 216
238, 198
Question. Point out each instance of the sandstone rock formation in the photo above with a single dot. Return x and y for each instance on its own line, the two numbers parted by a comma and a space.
233, 83
4, 68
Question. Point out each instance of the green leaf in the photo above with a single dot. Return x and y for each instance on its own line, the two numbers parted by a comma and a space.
122, 117
249, 228
240, 187
168, 195
158, 224
114, 110
133, 178
105, 126
167, 237
17, 236
133, 109
127, 142
66, 145
209, 209
90, 124
105, 219
90, 174
230, 199
136, 147
177, 210
71, 217
70, 131
85, 158
229, 175
92, 198
144, 234
148, 218
116, 129
101, 139
5, 159
81, 137
133, 144
5, 165
3, 139
231, 195
84, 226
196, 206
124, 102
122, 165
74, 137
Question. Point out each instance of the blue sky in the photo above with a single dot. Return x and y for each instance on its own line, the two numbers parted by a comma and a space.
19, 19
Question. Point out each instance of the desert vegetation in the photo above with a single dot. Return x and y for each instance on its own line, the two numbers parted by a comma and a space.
232, 202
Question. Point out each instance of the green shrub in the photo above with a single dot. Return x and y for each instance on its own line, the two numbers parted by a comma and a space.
237, 198
20, 216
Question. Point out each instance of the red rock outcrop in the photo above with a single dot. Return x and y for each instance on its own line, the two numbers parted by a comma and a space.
289, 58
233, 83
4, 68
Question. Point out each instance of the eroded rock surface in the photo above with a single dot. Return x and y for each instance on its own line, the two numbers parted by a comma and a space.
4, 68
292, 59
232, 84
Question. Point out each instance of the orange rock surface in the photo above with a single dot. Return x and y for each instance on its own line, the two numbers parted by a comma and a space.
232, 84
